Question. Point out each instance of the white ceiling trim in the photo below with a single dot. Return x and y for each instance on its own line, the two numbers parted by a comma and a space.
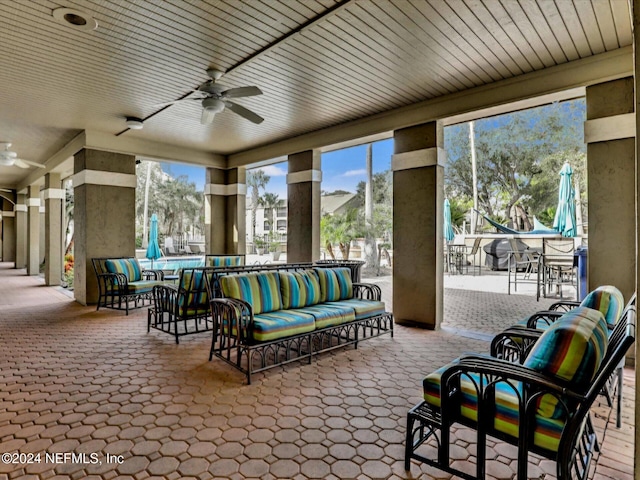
588, 71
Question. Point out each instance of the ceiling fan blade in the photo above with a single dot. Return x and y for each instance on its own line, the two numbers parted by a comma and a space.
27, 163
244, 112
207, 116
241, 92
6, 190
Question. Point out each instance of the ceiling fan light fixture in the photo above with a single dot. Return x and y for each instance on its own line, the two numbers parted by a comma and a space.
134, 123
6, 161
213, 105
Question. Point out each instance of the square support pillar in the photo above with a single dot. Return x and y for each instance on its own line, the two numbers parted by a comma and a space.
54, 196
418, 195
609, 134
303, 207
21, 230
104, 214
8, 231
225, 209
33, 230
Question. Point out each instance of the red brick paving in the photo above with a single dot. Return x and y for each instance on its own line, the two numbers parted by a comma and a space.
73, 380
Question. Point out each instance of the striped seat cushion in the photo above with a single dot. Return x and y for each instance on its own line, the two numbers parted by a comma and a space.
143, 286
335, 284
193, 294
224, 261
299, 289
281, 324
571, 350
608, 300
547, 431
363, 308
329, 315
260, 290
128, 266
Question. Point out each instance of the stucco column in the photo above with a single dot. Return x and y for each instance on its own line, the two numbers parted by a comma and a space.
21, 230
418, 175
104, 214
33, 230
54, 196
224, 214
303, 207
8, 231
609, 134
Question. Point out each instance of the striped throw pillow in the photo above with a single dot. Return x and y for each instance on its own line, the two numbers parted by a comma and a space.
193, 290
224, 261
608, 300
260, 290
335, 284
128, 266
299, 289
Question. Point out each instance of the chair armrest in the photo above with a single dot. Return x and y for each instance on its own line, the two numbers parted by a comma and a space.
116, 281
165, 298
367, 291
153, 274
514, 343
564, 306
491, 368
547, 316
235, 312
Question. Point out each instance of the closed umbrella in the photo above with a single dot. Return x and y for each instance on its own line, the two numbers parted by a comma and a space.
448, 227
153, 250
565, 219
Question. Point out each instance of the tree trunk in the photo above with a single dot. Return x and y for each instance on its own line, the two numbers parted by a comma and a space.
370, 256
329, 248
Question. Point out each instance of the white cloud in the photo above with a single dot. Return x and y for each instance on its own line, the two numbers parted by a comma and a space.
354, 173
274, 171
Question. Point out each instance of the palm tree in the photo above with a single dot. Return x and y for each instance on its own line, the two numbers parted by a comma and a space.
257, 180
270, 203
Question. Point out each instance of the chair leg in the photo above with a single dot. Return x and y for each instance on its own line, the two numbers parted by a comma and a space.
619, 406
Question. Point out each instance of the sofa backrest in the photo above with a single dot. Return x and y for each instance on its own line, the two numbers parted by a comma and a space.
299, 289
127, 266
192, 291
261, 290
335, 284
608, 300
571, 350
224, 260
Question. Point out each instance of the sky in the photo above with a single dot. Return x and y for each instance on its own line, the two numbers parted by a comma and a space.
341, 169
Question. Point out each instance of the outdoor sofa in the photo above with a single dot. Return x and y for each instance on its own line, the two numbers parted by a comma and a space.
271, 318
541, 406
123, 284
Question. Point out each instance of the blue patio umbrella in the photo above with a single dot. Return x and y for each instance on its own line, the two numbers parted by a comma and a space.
153, 250
449, 234
565, 219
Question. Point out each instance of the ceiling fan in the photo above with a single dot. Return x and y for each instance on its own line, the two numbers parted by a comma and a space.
9, 158
215, 98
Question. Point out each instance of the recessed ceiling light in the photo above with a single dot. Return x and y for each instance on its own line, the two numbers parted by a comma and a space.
75, 18
134, 123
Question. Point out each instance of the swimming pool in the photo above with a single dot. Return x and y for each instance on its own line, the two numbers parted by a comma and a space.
173, 263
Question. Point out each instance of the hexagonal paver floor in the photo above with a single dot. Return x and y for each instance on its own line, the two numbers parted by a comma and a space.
102, 398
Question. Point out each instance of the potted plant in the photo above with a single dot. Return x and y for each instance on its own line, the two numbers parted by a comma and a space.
274, 248
260, 245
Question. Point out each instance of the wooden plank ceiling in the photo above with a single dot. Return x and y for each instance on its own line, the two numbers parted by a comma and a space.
363, 57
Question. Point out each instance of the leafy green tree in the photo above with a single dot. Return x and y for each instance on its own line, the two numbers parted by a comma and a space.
340, 230
256, 180
512, 152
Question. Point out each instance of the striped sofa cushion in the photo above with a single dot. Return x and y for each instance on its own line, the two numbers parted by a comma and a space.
225, 261
571, 350
329, 315
143, 286
260, 290
608, 300
547, 431
363, 308
281, 324
299, 289
335, 284
128, 266
193, 296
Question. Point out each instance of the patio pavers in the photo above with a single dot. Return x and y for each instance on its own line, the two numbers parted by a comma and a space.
73, 380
